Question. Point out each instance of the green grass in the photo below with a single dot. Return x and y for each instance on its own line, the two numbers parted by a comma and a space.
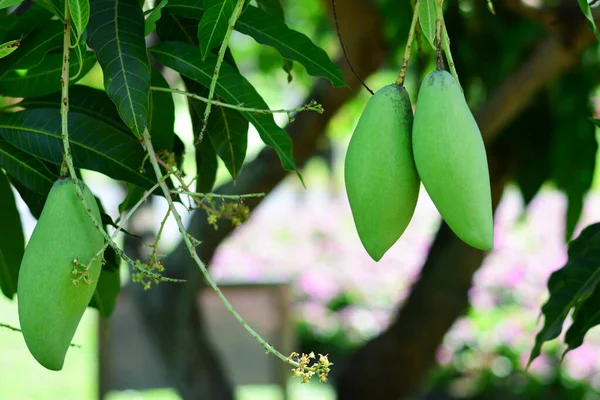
22, 378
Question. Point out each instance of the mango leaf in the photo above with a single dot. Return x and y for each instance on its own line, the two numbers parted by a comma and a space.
34, 48
153, 17
272, 7
427, 20
35, 201
573, 285
206, 166
292, 45
43, 79
9, 3
56, 7
106, 293
14, 27
587, 13
95, 145
116, 33
80, 16
175, 28
134, 194
83, 100
12, 242
161, 116
8, 47
214, 24
232, 87
228, 132
585, 317
206, 155
33, 173
269, 30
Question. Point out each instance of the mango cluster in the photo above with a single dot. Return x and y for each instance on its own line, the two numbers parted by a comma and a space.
391, 153
57, 277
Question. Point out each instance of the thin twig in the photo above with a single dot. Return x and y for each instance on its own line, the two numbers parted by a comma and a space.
439, 21
213, 84
12, 328
409, 42
312, 106
448, 53
337, 28
219, 196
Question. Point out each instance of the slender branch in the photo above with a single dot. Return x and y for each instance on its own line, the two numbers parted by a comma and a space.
12, 328
68, 168
337, 28
211, 92
448, 53
312, 106
192, 251
219, 196
409, 42
439, 21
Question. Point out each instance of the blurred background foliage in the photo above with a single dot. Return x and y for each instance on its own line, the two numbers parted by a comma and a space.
342, 298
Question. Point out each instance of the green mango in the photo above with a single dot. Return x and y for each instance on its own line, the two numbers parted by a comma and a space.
379, 172
52, 297
451, 161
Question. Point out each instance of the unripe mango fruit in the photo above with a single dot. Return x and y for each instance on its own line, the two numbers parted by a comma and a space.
451, 161
52, 294
379, 172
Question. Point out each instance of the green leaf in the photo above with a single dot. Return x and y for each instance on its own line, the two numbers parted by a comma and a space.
106, 293
161, 118
571, 286
585, 317
596, 122
56, 7
33, 173
34, 48
35, 201
134, 194
206, 166
14, 27
83, 100
587, 12
153, 17
116, 33
80, 16
272, 7
186, 8
12, 242
43, 79
175, 28
214, 24
293, 45
94, 144
228, 132
427, 20
232, 87
9, 3
8, 47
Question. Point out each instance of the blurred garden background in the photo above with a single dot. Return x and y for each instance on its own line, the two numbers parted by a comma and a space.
340, 298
